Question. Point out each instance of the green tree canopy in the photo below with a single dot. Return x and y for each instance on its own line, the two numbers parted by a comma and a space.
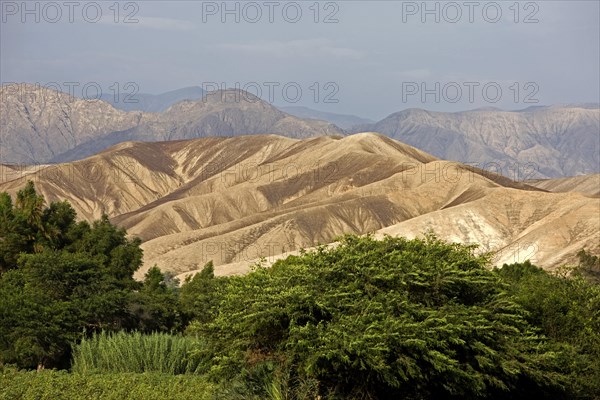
155, 305
394, 318
200, 295
27, 226
60, 277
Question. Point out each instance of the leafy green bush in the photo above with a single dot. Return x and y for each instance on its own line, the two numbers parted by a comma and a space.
394, 318
368, 319
136, 352
567, 310
60, 385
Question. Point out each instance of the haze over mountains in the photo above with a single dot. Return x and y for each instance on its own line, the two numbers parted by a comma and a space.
161, 102
233, 200
132, 101
344, 121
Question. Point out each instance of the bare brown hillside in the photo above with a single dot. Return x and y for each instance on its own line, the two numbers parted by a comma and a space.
233, 200
588, 184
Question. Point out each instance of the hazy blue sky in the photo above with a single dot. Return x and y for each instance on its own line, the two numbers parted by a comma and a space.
377, 54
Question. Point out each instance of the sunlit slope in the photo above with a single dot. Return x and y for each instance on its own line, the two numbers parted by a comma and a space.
234, 200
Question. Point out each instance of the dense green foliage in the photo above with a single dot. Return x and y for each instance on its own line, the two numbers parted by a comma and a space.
54, 385
567, 311
391, 319
200, 295
61, 277
365, 319
589, 265
28, 227
155, 306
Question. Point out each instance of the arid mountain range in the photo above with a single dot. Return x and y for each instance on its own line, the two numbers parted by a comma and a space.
236, 199
535, 142
538, 142
39, 125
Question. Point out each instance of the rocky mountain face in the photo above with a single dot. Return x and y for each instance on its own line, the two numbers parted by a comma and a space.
221, 113
234, 200
539, 142
40, 125
145, 102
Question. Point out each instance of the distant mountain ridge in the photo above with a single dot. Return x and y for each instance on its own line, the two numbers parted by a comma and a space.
538, 142
161, 102
588, 184
543, 142
50, 126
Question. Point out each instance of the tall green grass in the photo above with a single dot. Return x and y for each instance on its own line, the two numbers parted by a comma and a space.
136, 352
